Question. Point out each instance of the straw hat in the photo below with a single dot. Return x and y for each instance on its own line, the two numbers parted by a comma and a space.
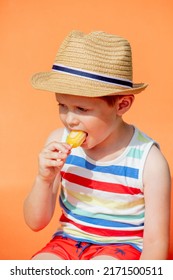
93, 65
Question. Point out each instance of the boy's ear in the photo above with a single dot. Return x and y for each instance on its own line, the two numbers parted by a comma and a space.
124, 103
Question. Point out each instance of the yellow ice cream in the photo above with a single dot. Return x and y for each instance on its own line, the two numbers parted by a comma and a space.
76, 138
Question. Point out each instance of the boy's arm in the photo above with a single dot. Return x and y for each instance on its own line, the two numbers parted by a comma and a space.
157, 206
40, 204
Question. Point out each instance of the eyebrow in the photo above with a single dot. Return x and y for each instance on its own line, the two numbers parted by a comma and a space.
75, 105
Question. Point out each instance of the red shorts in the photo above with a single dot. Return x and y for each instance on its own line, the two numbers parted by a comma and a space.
69, 249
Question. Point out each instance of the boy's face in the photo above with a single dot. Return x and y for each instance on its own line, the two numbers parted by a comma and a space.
92, 115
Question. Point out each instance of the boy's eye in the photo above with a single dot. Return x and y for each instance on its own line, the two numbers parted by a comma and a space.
61, 105
78, 108
82, 109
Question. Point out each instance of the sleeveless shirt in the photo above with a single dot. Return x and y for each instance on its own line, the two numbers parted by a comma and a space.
103, 202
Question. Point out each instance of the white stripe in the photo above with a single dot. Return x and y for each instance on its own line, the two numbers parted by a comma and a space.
94, 73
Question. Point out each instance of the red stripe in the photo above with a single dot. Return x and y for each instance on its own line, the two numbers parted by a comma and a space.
97, 185
102, 231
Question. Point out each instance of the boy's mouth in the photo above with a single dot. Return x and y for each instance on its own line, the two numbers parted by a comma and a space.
76, 138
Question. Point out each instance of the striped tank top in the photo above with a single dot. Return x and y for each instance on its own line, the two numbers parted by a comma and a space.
103, 202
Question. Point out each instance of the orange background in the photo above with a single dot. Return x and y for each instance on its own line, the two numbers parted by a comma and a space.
30, 33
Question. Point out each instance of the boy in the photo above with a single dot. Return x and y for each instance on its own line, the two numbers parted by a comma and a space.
115, 188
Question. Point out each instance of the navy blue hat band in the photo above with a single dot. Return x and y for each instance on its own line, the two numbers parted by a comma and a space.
93, 76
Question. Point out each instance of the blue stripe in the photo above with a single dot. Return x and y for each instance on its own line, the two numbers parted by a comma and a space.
81, 239
80, 73
112, 169
101, 222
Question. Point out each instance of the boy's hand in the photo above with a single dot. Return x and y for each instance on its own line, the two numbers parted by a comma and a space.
51, 160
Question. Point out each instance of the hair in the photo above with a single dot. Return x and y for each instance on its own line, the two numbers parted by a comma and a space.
110, 100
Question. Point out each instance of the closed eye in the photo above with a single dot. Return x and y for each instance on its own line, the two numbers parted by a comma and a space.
82, 109
77, 108
61, 105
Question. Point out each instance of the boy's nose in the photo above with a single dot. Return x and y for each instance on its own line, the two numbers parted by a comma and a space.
71, 120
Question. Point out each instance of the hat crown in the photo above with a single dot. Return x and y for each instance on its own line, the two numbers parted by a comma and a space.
97, 52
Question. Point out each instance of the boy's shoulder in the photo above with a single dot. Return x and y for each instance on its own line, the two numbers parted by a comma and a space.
156, 157
156, 167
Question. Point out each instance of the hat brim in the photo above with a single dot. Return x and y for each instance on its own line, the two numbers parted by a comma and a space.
73, 85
